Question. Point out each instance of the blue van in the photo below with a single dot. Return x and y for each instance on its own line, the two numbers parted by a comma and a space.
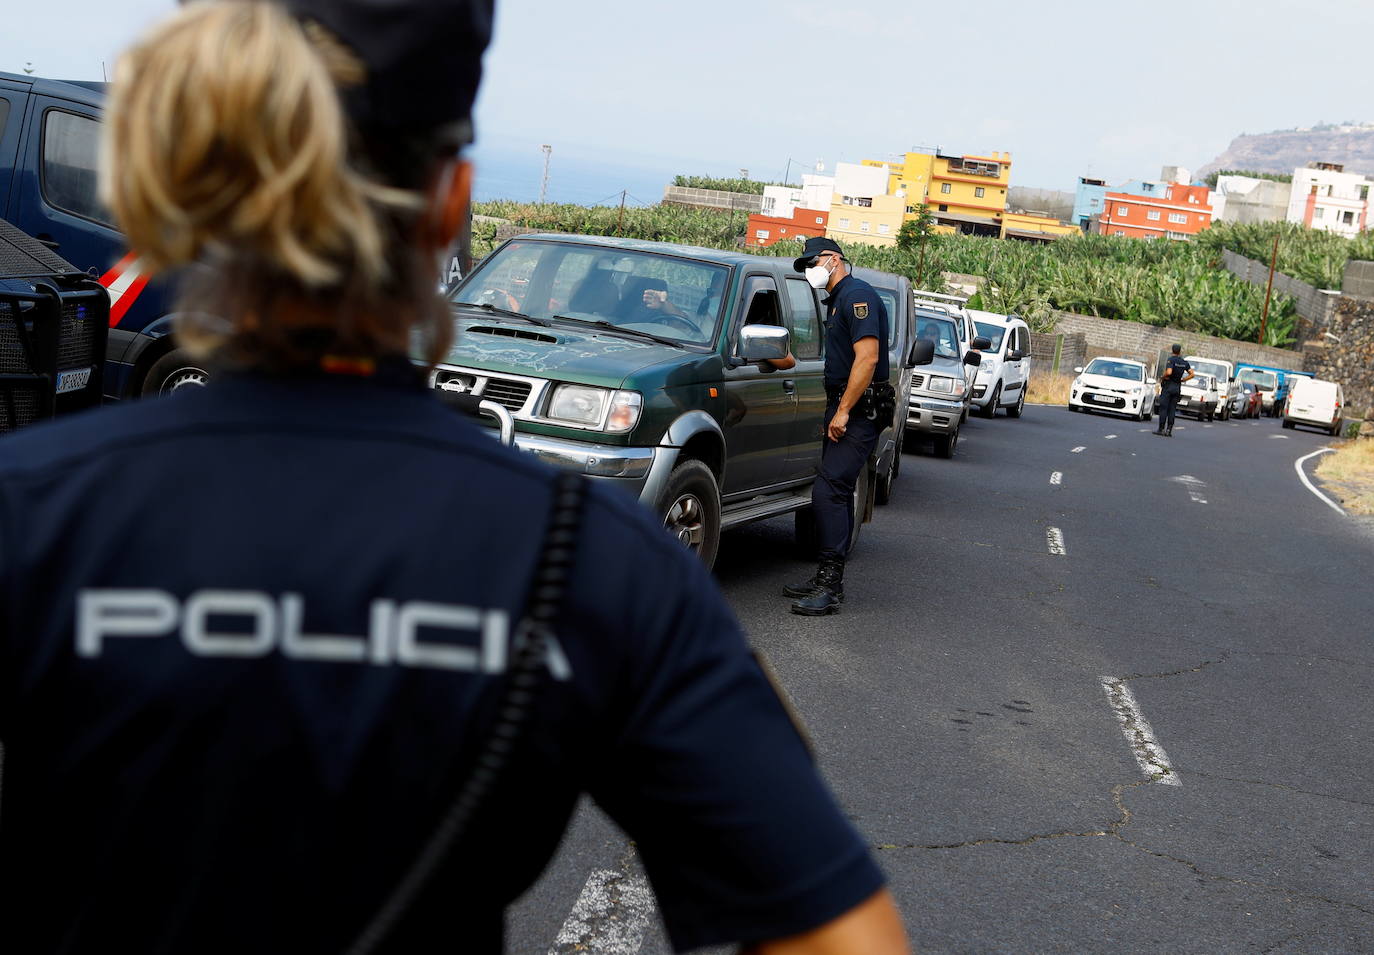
49, 148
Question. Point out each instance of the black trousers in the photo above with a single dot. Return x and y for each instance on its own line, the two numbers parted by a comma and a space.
1168, 406
833, 493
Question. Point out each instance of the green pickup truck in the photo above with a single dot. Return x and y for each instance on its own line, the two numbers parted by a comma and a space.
646, 364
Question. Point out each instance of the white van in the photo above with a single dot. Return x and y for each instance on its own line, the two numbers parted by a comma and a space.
1005, 371
1225, 374
1315, 402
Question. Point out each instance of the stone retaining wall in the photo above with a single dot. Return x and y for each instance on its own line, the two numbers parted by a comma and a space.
1347, 356
1314, 304
1150, 343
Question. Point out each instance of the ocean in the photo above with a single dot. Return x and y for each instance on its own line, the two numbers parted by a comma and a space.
504, 171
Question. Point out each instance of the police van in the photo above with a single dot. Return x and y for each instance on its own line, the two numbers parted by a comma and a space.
49, 158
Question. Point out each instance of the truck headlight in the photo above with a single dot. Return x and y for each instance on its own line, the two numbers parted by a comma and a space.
943, 386
589, 406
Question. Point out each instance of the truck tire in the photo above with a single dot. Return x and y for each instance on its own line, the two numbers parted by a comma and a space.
1015, 410
882, 492
690, 506
990, 410
946, 443
174, 371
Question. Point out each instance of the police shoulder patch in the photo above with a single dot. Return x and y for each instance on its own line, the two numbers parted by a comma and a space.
861, 310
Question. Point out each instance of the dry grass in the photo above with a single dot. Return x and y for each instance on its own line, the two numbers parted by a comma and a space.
1350, 473
1049, 389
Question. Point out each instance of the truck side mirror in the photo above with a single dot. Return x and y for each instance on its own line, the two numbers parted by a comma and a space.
922, 352
1014, 355
763, 342
980, 343
973, 357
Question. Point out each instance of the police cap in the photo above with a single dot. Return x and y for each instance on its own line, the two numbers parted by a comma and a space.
814, 247
423, 60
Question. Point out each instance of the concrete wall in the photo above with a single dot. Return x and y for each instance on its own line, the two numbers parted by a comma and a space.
1313, 304
1058, 353
1358, 281
1150, 343
712, 198
1349, 359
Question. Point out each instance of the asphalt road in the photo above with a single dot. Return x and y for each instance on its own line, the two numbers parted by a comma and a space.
1157, 740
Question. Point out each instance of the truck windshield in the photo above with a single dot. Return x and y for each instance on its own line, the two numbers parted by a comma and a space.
1263, 380
1208, 368
992, 333
942, 332
648, 292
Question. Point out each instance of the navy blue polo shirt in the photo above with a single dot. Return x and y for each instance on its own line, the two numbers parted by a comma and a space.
1177, 368
250, 637
853, 312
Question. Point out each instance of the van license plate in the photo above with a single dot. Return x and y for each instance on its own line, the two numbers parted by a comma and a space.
73, 380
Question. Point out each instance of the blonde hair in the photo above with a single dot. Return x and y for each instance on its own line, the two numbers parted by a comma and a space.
227, 145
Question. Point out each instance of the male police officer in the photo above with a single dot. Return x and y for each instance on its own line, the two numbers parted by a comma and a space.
1176, 372
855, 358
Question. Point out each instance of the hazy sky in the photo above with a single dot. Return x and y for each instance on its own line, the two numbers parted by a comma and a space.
1110, 89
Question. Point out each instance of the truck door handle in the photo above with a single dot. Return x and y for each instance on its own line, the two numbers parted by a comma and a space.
789, 385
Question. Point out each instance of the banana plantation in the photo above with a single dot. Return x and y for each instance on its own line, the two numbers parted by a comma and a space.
1181, 284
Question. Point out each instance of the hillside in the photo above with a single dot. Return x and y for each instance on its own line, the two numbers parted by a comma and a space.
1286, 150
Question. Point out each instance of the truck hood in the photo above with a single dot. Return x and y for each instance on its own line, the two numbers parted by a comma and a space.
564, 352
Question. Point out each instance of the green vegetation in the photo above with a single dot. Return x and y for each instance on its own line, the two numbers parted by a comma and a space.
1315, 257
752, 187
1211, 178
1159, 283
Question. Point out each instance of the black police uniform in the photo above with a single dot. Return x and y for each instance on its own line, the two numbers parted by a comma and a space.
1170, 389
249, 638
853, 312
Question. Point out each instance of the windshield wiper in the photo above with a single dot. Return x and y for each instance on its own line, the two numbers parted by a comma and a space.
488, 307
612, 327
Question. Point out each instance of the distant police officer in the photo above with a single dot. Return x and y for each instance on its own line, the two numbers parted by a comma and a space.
256, 642
1176, 372
856, 336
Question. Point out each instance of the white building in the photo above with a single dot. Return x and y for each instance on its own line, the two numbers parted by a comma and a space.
1326, 197
1246, 199
782, 201
854, 181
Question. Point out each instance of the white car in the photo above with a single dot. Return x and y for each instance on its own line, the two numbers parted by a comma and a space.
1119, 385
1317, 403
1006, 367
1225, 374
1199, 397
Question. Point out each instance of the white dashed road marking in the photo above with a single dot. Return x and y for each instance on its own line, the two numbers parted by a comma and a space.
1054, 537
1297, 466
1194, 487
1153, 761
611, 915
1081, 448
1110, 436
1056, 477
1281, 437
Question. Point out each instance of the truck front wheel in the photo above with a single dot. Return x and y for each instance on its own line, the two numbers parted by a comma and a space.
690, 506
174, 371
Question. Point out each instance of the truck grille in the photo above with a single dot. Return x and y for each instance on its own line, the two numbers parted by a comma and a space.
511, 394
24, 410
76, 344
11, 348
918, 381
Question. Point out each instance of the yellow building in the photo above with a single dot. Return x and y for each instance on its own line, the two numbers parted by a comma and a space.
860, 208
1030, 227
876, 223
965, 193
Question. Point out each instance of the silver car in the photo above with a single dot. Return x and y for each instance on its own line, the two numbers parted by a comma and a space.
938, 402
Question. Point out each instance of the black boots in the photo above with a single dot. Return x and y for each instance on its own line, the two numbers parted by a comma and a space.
826, 593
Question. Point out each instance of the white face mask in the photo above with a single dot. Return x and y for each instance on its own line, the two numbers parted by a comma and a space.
818, 276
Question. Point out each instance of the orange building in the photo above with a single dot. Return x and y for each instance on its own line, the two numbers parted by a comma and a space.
802, 224
1180, 213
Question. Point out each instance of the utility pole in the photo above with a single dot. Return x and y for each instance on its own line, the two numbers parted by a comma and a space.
620, 218
1269, 289
544, 183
